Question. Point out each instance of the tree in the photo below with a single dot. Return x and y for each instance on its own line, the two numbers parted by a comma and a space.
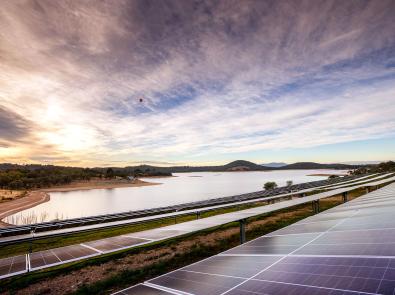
109, 173
270, 185
289, 182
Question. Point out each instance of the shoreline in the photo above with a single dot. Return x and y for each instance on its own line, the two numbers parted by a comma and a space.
37, 197
90, 185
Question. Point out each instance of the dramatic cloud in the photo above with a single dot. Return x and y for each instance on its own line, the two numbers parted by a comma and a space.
12, 126
187, 81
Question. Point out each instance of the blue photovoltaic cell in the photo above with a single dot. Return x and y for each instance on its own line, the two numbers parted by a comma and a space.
387, 249
356, 274
380, 236
255, 287
273, 245
237, 266
306, 228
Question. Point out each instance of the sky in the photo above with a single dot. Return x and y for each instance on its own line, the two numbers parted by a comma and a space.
117, 83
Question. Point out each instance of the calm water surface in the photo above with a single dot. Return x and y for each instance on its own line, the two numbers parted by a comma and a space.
186, 187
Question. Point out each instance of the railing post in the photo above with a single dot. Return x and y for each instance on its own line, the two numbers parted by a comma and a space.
242, 223
316, 206
345, 197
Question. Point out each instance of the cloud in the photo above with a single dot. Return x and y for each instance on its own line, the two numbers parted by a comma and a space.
13, 127
176, 81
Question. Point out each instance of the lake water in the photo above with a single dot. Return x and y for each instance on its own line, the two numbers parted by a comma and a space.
185, 187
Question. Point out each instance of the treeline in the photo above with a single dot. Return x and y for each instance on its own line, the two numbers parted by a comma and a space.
18, 177
382, 167
127, 172
25, 178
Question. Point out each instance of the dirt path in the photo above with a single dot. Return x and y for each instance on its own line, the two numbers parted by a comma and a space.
31, 199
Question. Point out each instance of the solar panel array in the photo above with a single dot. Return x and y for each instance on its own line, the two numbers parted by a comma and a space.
8, 238
349, 249
94, 220
48, 258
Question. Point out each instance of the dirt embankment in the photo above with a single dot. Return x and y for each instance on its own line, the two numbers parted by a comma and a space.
31, 199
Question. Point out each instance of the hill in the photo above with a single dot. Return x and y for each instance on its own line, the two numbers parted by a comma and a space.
312, 165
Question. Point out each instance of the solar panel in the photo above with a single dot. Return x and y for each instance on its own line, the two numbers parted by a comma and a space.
273, 245
115, 243
235, 266
352, 274
197, 283
256, 287
12, 265
342, 251
59, 255
156, 234
313, 227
